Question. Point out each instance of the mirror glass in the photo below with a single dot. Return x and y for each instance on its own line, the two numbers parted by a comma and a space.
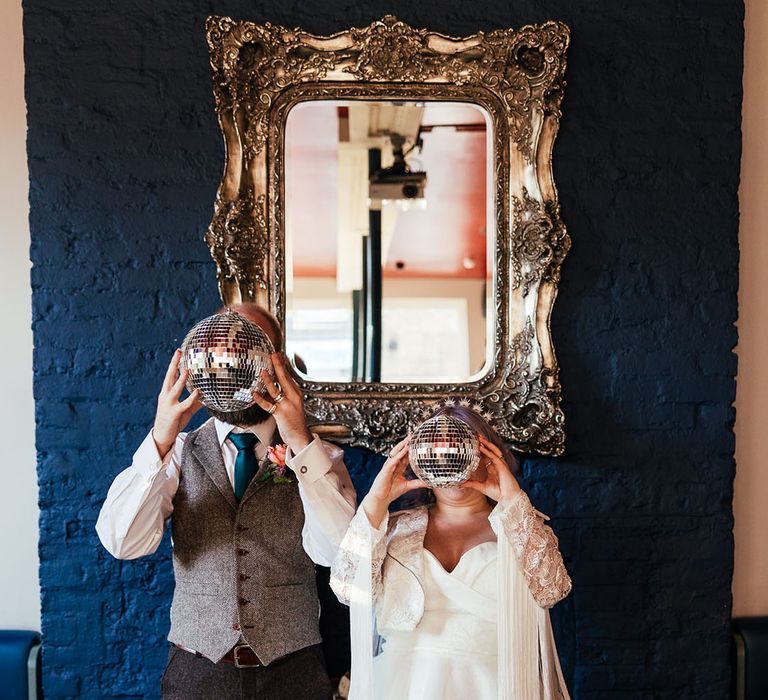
389, 241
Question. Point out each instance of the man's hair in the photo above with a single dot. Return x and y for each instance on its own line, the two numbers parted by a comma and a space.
261, 317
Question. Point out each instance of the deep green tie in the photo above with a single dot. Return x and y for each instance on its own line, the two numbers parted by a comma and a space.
246, 465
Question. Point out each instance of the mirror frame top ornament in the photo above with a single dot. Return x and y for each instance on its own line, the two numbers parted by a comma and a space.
261, 71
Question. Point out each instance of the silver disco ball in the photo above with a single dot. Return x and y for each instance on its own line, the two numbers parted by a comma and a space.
444, 451
225, 355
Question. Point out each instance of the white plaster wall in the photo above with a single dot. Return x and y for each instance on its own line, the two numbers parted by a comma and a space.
750, 504
19, 588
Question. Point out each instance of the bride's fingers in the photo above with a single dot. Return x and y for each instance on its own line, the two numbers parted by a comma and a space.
493, 458
400, 449
474, 485
400, 444
403, 461
496, 470
474, 478
502, 476
396, 460
492, 451
484, 440
490, 447
414, 484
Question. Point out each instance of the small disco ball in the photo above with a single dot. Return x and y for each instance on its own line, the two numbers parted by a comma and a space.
444, 451
225, 355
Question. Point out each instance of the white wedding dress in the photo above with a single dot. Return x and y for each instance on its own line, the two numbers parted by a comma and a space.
451, 655
444, 631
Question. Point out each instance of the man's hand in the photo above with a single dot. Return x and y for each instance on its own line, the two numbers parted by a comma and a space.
390, 483
286, 405
173, 415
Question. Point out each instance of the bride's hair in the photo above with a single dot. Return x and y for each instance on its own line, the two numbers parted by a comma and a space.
481, 427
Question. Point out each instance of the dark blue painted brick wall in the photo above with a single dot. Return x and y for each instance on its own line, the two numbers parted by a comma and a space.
125, 156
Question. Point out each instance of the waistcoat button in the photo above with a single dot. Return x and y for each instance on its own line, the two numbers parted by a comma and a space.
244, 577
243, 601
303, 470
242, 552
235, 626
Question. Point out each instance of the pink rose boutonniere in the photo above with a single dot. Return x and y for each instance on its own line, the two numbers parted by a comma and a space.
276, 470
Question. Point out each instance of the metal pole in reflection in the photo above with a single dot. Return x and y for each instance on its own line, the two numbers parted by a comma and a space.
374, 276
362, 318
357, 331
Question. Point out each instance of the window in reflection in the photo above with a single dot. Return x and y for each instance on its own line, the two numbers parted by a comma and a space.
425, 337
321, 330
388, 255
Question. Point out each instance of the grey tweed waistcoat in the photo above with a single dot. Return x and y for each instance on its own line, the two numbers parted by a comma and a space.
240, 569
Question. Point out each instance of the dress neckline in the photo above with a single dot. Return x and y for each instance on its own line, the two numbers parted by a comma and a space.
461, 558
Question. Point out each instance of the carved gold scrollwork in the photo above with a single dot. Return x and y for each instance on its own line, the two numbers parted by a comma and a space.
260, 71
238, 241
539, 242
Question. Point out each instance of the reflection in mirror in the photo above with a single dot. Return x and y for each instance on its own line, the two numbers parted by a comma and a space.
389, 241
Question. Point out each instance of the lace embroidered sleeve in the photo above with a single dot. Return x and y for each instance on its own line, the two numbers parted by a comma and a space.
536, 548
361, 538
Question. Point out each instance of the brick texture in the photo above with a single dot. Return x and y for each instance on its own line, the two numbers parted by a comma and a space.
125, 156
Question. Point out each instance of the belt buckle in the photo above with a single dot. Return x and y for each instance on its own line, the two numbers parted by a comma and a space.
236, 659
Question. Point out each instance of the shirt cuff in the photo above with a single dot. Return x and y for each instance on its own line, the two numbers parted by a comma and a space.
147, 460
311, 463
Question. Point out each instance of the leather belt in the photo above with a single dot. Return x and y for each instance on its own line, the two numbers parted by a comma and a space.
241, 656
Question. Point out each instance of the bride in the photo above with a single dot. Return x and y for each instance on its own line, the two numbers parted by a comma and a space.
460, 588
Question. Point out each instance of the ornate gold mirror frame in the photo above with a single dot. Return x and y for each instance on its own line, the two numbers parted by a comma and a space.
261, 71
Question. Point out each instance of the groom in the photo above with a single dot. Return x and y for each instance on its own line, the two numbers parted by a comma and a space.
244, 618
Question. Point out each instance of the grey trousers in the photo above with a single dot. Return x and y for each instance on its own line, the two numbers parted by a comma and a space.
299, 676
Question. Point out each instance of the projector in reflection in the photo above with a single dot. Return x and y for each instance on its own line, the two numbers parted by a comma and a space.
397, 181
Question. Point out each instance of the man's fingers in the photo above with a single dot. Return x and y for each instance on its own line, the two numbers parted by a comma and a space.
286, 381
261, 401
189, 409
178, 387
191, 400
269, 385
170, 374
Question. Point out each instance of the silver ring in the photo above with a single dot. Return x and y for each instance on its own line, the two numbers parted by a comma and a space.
272, 409
279, 398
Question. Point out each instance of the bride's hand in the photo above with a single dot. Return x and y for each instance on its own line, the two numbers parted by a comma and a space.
498, 482
390, 483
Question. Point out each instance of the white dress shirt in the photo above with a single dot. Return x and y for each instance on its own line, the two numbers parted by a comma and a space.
140, 500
